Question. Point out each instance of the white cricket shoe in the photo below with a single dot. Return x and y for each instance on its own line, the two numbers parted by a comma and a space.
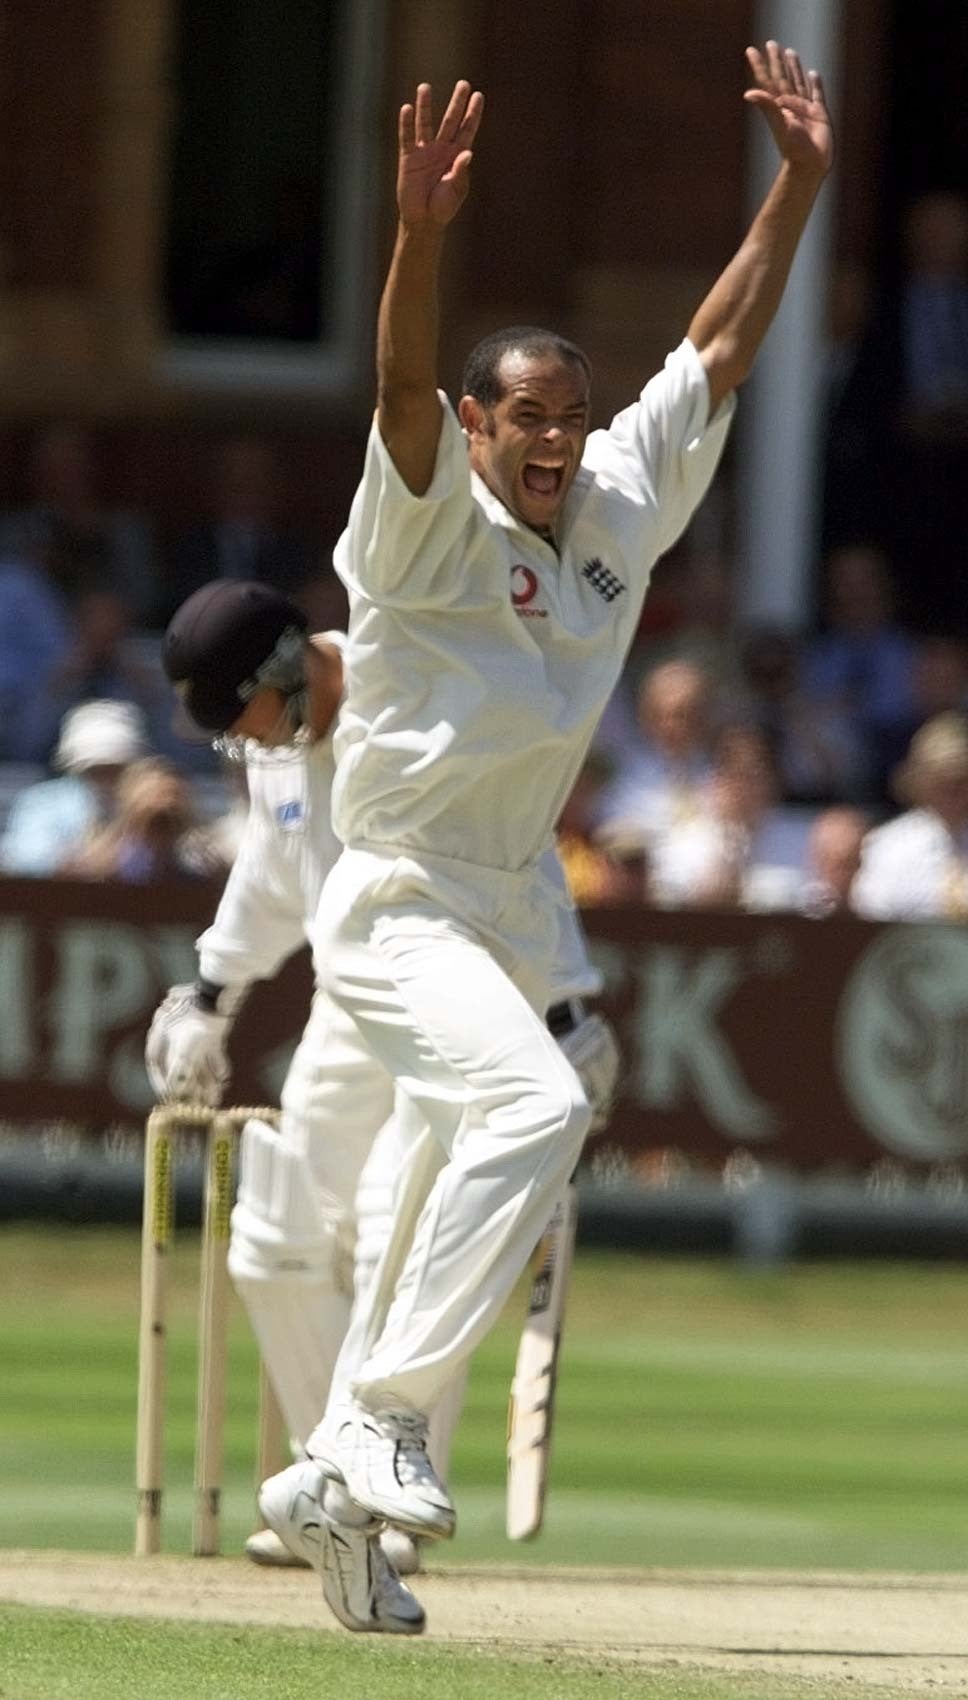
265, 1547
381, 1456
360, 1586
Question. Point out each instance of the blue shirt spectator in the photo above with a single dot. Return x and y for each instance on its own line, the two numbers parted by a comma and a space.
34, 632
864, 662
49, 821
242, 538
934, 306
97, 547
816, 744
95, 660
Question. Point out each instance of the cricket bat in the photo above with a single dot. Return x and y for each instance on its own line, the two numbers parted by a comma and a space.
532, 1405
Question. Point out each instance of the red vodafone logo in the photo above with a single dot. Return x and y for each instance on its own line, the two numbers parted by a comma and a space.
524, 586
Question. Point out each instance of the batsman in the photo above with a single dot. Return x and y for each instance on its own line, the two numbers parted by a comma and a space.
316, 1196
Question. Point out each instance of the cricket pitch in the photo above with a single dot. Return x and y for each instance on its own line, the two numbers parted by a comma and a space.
908, 1633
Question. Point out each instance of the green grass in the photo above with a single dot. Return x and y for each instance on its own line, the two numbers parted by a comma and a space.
816, 1417
47, 1655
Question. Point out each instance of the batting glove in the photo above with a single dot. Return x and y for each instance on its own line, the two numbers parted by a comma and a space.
593, 1052
186, 1052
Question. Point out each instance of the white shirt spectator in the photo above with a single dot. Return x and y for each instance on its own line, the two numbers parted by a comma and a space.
914, 868
663, 781
769, 860
653, 796
746, 850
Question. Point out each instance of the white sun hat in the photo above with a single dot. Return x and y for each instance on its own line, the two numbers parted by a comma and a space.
100, 734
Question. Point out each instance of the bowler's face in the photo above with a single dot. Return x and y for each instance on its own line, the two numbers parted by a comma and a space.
528, 447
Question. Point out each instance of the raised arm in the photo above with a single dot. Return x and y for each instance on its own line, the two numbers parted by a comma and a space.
739, 309
432, 183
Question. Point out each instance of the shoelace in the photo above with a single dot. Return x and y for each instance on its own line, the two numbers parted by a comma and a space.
410, 1433
404, 1425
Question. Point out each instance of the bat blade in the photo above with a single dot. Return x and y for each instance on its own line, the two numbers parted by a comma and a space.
532, 1404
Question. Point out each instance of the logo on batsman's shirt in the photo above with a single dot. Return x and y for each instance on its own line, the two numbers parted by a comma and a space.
524, 589
602, 579
290, 814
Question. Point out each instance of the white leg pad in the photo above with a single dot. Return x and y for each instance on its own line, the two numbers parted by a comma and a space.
292, 1267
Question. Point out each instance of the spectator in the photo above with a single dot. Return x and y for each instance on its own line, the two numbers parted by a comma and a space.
903, 415
833, 857
86, 546
153, 834
34, 633
594, 875
934, 313
916, 866
863, 663
88, 657
242, 538
49, 820
929, 491
744, 850
664, 779
909, 398
818, 755
702, 589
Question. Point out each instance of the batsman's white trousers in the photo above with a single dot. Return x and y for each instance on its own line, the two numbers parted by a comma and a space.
294, 1228
445, 968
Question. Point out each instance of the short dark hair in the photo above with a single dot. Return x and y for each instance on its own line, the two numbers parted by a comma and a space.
482, 378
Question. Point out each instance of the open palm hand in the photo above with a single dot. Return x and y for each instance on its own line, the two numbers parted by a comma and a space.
794, 105
433, 169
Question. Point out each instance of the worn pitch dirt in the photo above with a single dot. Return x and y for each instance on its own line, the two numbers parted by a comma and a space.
905, 1633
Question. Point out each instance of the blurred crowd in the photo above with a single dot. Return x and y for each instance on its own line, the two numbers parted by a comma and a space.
825, 775
95, 781
823, 770
86, 589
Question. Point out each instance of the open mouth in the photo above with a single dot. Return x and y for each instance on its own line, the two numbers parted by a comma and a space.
542, 481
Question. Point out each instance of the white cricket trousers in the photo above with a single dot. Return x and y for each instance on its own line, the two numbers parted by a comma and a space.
294, 1226
445, 967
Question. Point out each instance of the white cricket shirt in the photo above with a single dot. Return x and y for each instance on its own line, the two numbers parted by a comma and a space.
288, 847
480, 660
